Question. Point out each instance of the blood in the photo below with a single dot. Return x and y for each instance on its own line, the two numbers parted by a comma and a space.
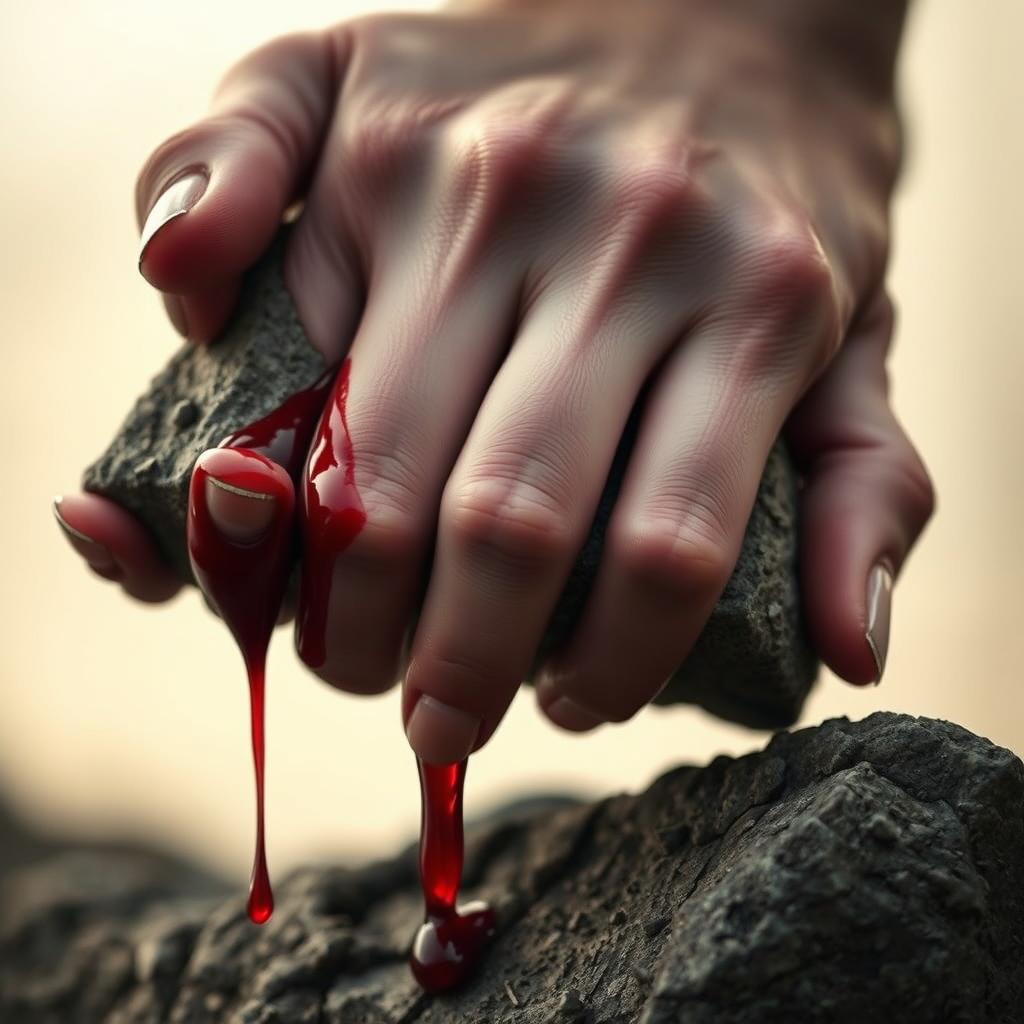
246, 583
284, 435
451, 939
333, 515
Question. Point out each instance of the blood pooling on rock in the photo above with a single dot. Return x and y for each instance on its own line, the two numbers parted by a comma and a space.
451, 939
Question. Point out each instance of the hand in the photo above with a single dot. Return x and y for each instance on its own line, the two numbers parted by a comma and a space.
515, 216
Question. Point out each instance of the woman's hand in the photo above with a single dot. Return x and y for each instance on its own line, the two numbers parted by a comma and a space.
516, 216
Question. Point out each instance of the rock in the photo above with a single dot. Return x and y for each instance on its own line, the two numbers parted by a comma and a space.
752, 663
849, 872
204, 394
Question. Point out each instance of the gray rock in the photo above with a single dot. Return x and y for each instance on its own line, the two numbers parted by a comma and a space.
204, 394
752, 663
849, 872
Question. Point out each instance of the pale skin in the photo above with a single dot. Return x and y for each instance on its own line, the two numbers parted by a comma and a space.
515, 215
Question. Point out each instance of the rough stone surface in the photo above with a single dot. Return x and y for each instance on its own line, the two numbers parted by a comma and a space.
204, 394
849, 872
752, 663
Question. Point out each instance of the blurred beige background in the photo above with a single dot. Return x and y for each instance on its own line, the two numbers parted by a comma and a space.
119, 719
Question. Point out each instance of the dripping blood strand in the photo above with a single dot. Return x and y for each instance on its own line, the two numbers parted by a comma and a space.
450, 940
333, 515
246, 582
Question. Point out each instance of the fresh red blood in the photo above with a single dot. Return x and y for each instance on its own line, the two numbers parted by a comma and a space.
284, 435
451, 939
333, 515
247, 582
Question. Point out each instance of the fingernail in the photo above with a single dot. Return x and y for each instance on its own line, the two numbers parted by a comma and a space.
565, 712
240, 514
879, 612
441, 734
97, 555
179, 197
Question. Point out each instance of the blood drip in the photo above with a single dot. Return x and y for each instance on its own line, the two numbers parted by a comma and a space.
333, 515
246, 583
450, 941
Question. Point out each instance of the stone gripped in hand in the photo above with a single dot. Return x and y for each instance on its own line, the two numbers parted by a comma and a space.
752, 664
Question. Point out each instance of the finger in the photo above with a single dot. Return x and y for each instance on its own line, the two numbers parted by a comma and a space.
427, 346
866, 500
115, 546
516, 511
672, 542
202, 315
211, 198
240, 530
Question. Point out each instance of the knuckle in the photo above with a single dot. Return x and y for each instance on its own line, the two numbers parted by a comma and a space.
486, 154
786, 255
684, 557
792, 289
390, 536
655, 190
393, 535
384, 137
658, 181
511, 520
375, 145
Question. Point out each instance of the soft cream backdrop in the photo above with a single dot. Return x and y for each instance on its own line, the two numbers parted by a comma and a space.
115, 718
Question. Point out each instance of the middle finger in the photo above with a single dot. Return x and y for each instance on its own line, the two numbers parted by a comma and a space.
517, 507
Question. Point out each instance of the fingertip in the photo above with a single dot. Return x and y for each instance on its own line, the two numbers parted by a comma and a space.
439, 733
116, 546
202, 317
174, 201
844, 566
214, 223
207, 314
567, 714
243, 492
96, 555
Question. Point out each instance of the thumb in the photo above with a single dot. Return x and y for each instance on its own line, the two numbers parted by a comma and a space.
866, 500
211, 198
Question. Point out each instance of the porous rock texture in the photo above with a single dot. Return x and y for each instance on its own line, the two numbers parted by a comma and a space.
752, 664
849, 872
